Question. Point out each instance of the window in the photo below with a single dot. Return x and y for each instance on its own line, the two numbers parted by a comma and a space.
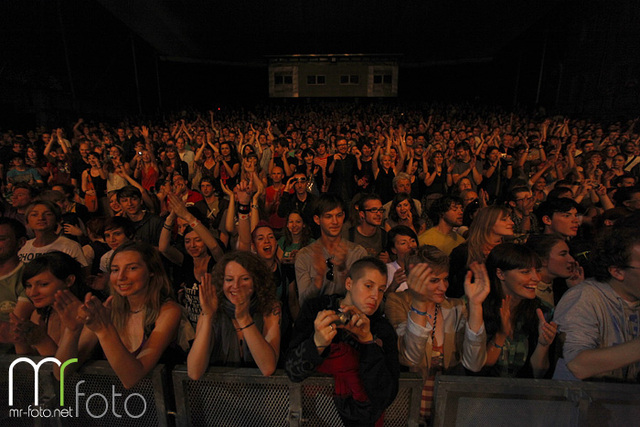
316, 80
283, 79
380, 79
349, 80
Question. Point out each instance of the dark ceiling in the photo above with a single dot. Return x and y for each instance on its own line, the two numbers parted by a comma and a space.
245, 31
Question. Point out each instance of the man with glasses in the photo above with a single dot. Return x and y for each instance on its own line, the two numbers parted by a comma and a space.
521, 202
321, 267
368, 233
599, 320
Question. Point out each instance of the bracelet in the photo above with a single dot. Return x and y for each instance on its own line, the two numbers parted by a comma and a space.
194, 224
243, 216
250, 324
497, 346
244, 209
254, 206
418, 312
369, 342
167, 227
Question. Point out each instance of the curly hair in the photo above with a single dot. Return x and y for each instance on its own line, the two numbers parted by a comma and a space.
263, 284
613, 249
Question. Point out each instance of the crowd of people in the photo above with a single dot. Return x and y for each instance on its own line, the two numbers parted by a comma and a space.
353, 240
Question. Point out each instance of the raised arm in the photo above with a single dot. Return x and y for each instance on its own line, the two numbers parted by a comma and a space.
180, 210
200, 353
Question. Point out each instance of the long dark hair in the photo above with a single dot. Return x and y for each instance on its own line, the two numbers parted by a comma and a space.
506, 257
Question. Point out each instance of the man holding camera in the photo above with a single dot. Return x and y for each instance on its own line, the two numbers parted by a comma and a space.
346, 336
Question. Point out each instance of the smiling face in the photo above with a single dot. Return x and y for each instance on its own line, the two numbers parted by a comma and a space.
520, 283
437, 286
331, 222
114, 204
503, 226
367, 291
238, 283
194, 245
372, 212
265, 243
295, 224
129, 274
131, 205
41, 288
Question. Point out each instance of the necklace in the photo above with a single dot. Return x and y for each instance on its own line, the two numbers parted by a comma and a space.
136, 311
433, 332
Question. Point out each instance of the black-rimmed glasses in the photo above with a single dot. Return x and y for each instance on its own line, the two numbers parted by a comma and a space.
374, 210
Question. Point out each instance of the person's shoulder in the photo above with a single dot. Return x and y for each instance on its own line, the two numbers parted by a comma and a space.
170, 306
307, 250
403, 297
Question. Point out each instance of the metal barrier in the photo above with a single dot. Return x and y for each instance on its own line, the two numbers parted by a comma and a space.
481, 401
243, 397
102, 400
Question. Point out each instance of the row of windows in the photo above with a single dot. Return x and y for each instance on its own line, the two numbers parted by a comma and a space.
287, 79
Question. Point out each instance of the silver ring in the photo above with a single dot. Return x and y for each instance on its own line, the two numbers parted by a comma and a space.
331, 326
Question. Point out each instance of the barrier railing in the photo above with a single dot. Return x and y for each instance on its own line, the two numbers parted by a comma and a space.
481, 401
243, 397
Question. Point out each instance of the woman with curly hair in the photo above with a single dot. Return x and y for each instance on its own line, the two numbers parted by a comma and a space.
239, 321
143, 320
